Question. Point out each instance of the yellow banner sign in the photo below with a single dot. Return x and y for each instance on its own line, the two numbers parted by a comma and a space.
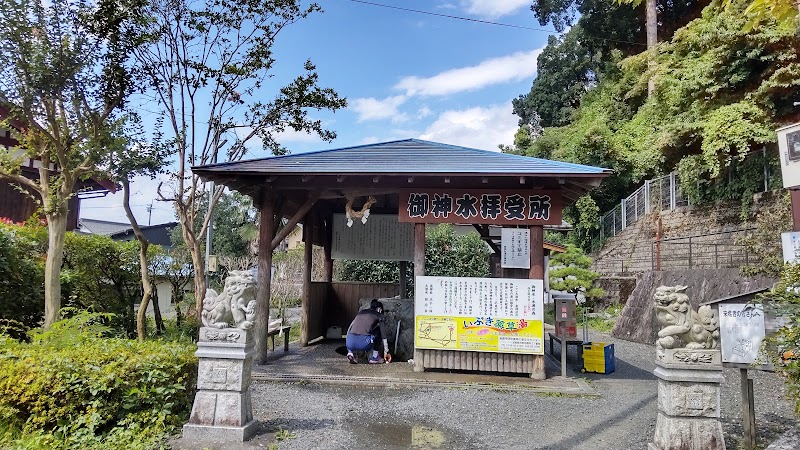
479, 334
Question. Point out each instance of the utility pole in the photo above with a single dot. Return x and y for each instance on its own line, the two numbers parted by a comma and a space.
149, 213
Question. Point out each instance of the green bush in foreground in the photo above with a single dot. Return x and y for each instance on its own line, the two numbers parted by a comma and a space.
73, 388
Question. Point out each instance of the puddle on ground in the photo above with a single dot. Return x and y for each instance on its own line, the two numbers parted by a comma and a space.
373, 434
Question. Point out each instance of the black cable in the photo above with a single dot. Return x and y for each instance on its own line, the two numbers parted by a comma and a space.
488, 22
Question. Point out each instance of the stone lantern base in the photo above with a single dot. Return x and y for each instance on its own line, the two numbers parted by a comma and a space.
222, 409
688, 401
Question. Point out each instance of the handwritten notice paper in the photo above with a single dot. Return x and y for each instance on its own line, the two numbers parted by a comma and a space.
515, 248
741, 332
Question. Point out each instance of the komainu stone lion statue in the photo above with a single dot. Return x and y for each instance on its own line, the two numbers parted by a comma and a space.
234, 306
681, 327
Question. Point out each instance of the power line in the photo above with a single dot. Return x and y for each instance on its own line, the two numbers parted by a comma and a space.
489, 22
449, 16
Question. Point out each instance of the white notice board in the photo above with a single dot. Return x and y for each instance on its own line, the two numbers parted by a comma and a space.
382, 238
790, 242
515, 248
741, 329
789, 148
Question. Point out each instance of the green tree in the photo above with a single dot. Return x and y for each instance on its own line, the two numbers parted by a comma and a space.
720, 91
101, 275
208, 70
571, 272
21, 279
783, 301
63, 79
784, 11
128, 160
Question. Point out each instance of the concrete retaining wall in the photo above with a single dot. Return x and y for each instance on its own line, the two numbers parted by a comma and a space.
637, 322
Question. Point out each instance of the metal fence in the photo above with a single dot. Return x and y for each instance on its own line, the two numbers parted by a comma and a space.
659, 194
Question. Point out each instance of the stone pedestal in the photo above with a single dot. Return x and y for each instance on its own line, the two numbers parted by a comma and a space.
222, 410
688, 401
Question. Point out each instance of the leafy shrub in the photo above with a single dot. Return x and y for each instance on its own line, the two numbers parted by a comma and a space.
21, 278
446, 254
72, 388
783, 300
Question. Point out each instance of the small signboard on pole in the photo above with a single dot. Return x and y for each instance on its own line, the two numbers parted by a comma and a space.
515, 248
789, 147
741, 327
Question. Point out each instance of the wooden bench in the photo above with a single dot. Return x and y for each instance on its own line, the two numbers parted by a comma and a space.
578, 344
275, 331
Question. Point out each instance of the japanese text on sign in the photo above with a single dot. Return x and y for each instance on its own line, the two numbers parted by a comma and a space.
382, 238
479, 314
515, 248
741, 329
474, 206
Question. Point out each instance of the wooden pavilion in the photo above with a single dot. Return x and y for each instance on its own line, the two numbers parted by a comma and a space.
309, 188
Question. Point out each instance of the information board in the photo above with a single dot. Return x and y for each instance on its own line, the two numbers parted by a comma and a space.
741, 332
382, 238
479, 314
790, 243
515, 248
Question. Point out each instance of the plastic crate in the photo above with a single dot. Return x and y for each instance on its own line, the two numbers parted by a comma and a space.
598, 357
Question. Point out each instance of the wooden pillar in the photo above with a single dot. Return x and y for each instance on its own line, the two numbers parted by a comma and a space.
419, 270
328, 244
266, 231
308, 247
537, 272
537, 253
794, 194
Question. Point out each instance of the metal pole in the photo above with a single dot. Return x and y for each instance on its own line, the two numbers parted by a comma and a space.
623, 214
673, 191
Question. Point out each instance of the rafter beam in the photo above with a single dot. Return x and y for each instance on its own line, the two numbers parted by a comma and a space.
296, 218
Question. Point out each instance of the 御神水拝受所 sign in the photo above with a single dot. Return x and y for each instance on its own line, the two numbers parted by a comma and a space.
503, 207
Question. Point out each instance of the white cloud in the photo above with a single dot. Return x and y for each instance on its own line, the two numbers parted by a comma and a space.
371, 108
516, 67
478, 127
369, 140
424, 112
494, 8
289, 135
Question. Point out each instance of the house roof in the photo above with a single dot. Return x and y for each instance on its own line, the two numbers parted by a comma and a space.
103, 227
404, 157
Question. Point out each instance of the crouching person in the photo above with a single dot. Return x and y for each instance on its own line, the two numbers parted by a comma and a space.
365, 330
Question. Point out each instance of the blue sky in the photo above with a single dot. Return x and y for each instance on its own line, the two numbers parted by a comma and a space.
405, 75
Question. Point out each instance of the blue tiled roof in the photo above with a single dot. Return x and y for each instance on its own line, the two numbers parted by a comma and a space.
409, 156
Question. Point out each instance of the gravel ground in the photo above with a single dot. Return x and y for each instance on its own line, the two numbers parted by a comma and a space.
321, 416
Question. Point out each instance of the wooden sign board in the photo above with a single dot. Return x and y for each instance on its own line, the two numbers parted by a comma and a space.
382, 238
478, 206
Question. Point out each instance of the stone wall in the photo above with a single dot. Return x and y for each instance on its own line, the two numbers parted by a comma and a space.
710, 231
618, 289
637, 321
